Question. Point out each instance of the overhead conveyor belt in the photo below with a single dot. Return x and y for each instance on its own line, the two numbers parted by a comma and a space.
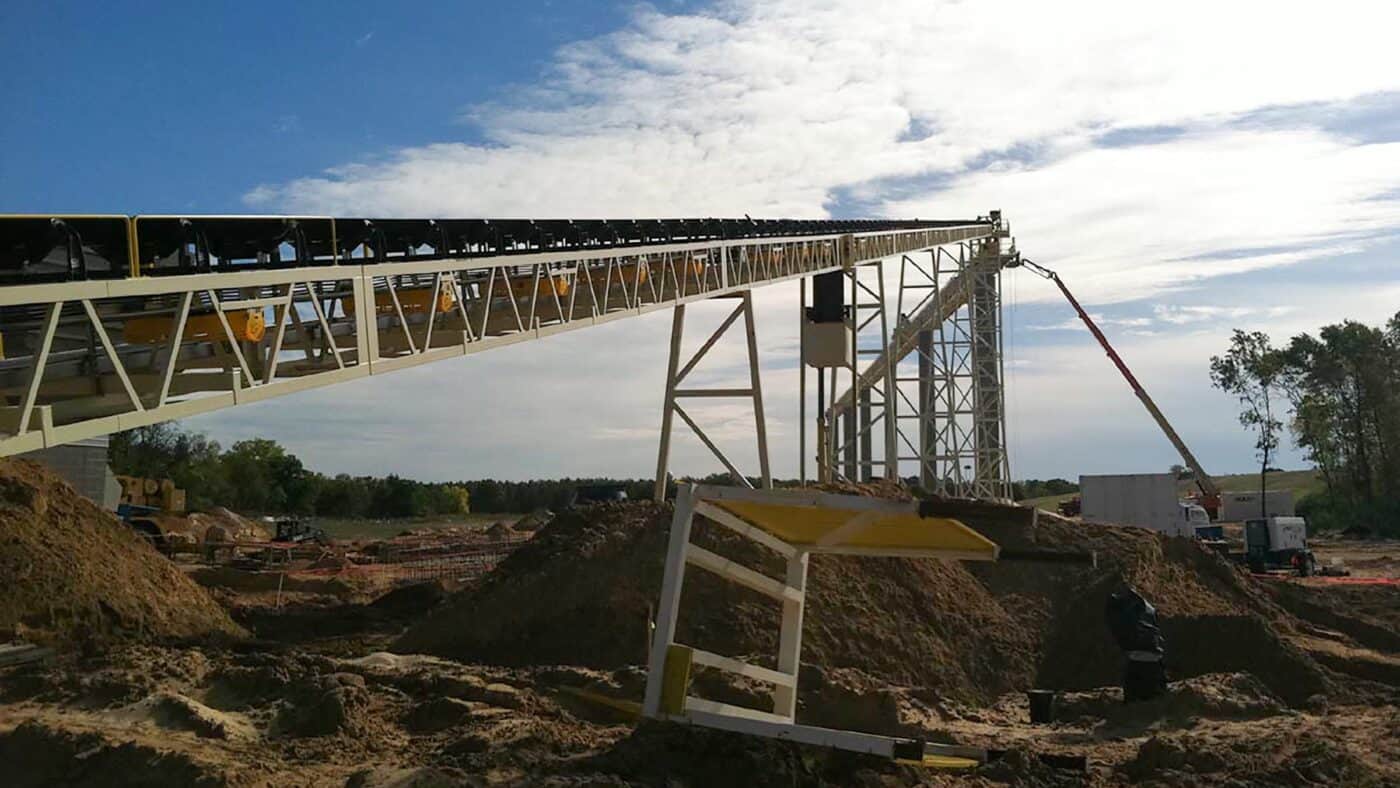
93, 347
41, 248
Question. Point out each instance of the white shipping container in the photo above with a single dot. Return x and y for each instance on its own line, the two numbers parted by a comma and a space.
1241, 506
1146, 500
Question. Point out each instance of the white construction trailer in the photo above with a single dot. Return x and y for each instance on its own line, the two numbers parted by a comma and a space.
1146, 500
1241, 506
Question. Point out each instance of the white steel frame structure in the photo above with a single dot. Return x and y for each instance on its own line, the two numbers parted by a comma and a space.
676, 374
944, 358
68, 373
951, 399
667, 696
853, 432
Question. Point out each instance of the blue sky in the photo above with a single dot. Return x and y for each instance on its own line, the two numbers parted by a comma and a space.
1188, 173
184, 107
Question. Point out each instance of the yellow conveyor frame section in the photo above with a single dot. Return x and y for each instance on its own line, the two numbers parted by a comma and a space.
869, 532
247, 325
413, 300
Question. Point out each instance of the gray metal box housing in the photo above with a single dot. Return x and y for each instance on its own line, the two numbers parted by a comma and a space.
826, 344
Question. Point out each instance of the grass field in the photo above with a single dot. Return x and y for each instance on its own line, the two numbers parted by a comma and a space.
1300, 482
383, 529
1048, 502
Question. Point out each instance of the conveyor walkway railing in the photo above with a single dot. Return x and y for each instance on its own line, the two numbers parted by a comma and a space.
92, 356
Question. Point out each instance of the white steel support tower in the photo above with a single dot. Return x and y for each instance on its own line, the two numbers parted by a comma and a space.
944, 420
676, 374
992, 472
855, 443
951, 403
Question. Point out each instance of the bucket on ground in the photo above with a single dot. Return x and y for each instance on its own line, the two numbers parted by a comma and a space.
1042, 706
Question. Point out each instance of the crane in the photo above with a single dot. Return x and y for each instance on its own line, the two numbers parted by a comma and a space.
1210, 493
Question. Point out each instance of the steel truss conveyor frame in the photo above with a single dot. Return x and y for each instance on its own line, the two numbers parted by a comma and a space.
87, 358
949, 428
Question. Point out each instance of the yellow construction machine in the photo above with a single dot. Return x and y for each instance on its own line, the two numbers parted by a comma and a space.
154, 508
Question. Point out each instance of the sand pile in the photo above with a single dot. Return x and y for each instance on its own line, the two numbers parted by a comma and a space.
228, 526
582, 593
1214, 616
501, 530
71, 571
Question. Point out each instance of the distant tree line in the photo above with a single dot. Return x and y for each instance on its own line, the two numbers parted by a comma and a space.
258, 476
1340, 393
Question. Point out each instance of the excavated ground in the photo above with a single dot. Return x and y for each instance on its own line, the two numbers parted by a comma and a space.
581, 593
71, 572
500, 684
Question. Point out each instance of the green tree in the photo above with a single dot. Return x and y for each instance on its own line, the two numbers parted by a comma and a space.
164, 451
264, 477
1345, 388
1250, 370
459, 497
343, 496
393, 496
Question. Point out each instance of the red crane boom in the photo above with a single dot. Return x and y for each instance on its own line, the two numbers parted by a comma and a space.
1209, 490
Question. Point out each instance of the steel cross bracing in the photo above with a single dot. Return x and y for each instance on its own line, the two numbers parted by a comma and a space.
87, 358
947, 410
676, 374
852, 435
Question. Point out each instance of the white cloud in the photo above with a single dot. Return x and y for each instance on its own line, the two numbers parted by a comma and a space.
1126, 223
911, 108
768, 107
1073, 323
1198, 313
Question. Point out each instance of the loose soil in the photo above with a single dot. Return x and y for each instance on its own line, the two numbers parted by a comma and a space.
143, 715
526, 676
581, 593
72, 573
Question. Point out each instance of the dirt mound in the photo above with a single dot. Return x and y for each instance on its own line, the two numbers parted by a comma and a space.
582, 593
1305, 754
72, 571
174, 711
501, 530
1217, 696
37, 755
1214, 616
229, 526
656, 754
1369, 614
533, 521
